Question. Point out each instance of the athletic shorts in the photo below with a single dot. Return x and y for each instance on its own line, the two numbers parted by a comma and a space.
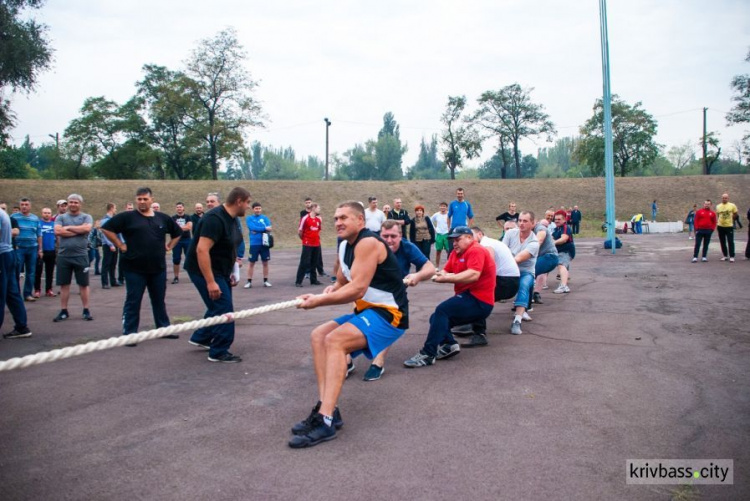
259, 250
66, 266
564, 259
441, 242
378, 332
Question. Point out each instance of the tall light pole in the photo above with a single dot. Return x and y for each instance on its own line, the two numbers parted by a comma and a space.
609, 167
328, 124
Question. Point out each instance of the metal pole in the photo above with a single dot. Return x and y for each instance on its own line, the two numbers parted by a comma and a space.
705, 160
328, 124
608, 148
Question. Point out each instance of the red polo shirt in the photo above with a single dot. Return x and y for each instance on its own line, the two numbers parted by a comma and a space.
310, 228
476, 258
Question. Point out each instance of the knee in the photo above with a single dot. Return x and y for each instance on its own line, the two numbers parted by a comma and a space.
317, 336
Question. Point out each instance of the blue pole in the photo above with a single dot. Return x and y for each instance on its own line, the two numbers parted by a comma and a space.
609, 168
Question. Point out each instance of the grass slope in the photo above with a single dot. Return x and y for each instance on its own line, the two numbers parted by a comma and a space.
282, 200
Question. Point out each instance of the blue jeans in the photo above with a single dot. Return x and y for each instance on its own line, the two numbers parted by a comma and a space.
136, 284
9, 293
26, 258
461, 309
219, 337
545, 264
525, 289
96, 258
182, 246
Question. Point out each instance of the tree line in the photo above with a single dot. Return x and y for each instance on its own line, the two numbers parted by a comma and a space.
188, 123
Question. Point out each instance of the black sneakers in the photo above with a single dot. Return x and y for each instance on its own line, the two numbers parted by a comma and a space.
226, 358
537, 298
87, 315
63, 315
317, 432
475, 341
305, 425
18, 333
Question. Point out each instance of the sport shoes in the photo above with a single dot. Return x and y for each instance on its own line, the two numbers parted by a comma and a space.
476, 341
50, 293
525, 317
723, 259
305, 425
199, 345
266, 284
317, 431
695, 260
226, 358
37, 293
704, 260
87, 315
350, 369
419, 360
562, 289
18, 333
30, 299
63, 315
176, 280
248, 285
545, 287
515, 328
731, 260
447, 351
537, 298
373, 373
462, 330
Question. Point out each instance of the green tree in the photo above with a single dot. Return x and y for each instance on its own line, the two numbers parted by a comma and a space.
358, 163
24, 53
428, 165
740, 113
460, 138
510, 114
681, 155
633, 133
389, 152
223, 88
711, 151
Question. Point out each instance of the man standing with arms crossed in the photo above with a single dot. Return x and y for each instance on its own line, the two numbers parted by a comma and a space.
72, 228
143, 259
368, 276
259, 227
209, 264
725, 214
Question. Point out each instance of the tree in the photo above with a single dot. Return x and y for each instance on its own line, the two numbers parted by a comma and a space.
460, 138
711, 151
510, 114
389, 152
428, 166
633, 132
681, 155
740, 113
24, 53
223, 89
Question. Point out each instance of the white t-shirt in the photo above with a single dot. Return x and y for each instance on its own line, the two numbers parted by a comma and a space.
505, 263
440, 222
374, 219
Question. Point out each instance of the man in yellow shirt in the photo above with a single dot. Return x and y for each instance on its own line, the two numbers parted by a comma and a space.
726, 211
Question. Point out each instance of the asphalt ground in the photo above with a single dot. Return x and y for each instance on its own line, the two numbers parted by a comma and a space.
647, 357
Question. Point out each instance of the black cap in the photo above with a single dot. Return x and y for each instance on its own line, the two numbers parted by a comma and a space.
460, 230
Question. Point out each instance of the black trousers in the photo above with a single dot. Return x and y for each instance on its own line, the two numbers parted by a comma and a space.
48, 262
109, 266
704, 237
726, 239
308, 263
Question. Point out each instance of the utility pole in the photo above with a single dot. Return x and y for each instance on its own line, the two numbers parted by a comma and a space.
705, 157
328, 124
56, 137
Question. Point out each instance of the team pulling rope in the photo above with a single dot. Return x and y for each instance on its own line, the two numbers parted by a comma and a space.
105, 344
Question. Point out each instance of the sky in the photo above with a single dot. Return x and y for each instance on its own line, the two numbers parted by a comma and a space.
353, 61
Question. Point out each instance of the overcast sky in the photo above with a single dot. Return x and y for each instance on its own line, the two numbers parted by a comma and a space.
353, 61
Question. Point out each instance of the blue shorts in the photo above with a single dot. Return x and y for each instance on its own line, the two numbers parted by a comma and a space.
377, 331
256, 250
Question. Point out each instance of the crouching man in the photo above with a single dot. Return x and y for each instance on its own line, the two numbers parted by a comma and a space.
369, 275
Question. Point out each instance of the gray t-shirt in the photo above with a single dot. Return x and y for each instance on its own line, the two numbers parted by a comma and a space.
73, 246
513, 240
548, 245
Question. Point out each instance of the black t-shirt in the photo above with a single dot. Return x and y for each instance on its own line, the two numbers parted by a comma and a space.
182, 221
507, 216
145, 237
303, 213
219, 226
195, 218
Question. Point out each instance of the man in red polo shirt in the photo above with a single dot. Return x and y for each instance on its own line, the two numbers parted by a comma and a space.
471, 269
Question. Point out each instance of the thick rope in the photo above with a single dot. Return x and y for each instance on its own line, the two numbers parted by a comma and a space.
105, 344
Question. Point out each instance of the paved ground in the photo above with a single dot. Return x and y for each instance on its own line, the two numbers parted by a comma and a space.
646, 358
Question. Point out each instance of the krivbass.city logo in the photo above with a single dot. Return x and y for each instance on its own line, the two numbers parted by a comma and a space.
679, 471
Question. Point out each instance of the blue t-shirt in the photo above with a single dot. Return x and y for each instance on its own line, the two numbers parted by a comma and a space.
30, 229
48, 235
409, 254
257, 226
460, 212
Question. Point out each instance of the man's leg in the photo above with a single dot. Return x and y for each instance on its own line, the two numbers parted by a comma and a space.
314, 256
723, 240
157, 292
335, 346
706, 241
698, 241
49, 268
564, 274
265, 270
304, 263
106, 265
64, 296
730, 241
10, 294
135, 285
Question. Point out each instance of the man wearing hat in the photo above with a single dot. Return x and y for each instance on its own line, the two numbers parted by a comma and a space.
471, 269
62, 208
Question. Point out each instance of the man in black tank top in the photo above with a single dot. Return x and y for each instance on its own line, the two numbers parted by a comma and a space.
369, 276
